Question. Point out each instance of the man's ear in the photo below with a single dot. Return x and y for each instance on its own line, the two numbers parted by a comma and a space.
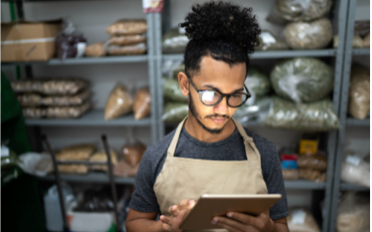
183, 81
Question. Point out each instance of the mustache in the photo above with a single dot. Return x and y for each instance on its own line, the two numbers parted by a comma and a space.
217, 116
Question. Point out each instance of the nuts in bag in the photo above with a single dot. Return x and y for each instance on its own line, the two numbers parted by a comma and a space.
37, 100
73, 168
95, 50
142, 104
132, 154
318, 162
126, 39
78, 152
290, 174
33, 112
127, 50
302, 79
101, 156
359, 92
119, 103
174, 112
127, 27
309, 35
313, 175
60, 86
67, 111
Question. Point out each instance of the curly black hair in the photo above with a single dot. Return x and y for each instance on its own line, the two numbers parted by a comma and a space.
222, 30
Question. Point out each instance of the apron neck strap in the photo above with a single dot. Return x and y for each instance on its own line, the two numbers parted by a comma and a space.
173, 144
248, 142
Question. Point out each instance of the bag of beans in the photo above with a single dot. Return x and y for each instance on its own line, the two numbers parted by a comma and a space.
142, 104
120, 102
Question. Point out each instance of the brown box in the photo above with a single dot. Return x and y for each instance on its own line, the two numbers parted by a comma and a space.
28, 41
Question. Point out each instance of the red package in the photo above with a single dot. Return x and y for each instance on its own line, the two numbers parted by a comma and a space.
288, 156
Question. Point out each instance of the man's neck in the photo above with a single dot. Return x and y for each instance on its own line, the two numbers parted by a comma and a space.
193, 127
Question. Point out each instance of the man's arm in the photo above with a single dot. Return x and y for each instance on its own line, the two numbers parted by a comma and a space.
142, 221
281, 225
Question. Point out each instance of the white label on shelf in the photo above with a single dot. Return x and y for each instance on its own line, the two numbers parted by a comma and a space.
354, 160
267, 38
80, 49
298, 216
4, 151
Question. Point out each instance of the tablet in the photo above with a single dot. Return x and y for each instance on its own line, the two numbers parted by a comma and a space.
210, 205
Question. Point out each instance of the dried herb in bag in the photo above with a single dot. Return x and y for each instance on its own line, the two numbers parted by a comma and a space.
302, 79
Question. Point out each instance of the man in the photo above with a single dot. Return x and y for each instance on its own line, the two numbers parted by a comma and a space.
210, 152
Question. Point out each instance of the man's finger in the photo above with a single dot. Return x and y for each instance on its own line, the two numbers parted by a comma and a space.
232, 223
184, 203
227, 227
165, 219
174, 210
243, 218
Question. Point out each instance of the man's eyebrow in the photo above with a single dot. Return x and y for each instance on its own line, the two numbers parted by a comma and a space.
212, 87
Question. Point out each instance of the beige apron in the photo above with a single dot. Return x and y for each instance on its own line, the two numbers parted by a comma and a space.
185, 178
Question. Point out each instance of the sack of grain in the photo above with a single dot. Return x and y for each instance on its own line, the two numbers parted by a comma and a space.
309, 35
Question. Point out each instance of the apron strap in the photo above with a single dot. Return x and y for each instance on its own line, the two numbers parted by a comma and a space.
173, 144
249, 145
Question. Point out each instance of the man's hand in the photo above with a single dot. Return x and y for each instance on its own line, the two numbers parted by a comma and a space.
178, 213
239, 222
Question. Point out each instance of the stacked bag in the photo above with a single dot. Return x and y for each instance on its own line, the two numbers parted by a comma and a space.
305, 24
361, 38
53, 98
128, 37
176, 104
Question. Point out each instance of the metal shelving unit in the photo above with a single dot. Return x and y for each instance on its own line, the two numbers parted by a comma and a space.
337, 54
349, 52
91, 118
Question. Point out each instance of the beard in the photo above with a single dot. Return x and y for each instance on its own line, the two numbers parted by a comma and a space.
197, 116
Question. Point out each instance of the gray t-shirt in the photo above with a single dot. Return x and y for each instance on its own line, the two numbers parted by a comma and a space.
232, 148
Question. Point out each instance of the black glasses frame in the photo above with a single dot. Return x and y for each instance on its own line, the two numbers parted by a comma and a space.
248, 95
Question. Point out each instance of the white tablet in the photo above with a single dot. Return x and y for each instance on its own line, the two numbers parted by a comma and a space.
210, 205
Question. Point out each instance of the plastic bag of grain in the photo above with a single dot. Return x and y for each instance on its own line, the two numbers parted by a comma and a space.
270, 42
359, 92
315, 116
95, 50
142, 104
174, 41
353, 213
172, 90
127, 27
120, 102
135, 49
303, 10
126, 39
76, 152
301, 220
309, 35
101, 156
302, 79
174, 112
67, 111
133, 152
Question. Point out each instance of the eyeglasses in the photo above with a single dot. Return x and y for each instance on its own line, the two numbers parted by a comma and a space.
211, 97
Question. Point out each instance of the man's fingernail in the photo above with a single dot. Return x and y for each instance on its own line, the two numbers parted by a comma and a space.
190, 202
174, 207
229, 214
214, 221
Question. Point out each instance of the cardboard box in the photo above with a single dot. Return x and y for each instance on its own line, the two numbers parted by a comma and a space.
28, 41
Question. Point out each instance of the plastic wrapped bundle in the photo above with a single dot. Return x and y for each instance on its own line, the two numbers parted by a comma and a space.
268, 42
76, 152
67, 111
174, 41
175, 112
300, 220
142, 104
135, 49
304, 10
127, 27
359, 92
126, 39
172, 90
356, 171
309, 35
95, 50
353, 213
38, 100
101, 156
257, 82
316, 116
65, 86
302, 79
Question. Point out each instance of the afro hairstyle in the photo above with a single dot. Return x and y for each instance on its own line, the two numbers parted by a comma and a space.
225, 31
